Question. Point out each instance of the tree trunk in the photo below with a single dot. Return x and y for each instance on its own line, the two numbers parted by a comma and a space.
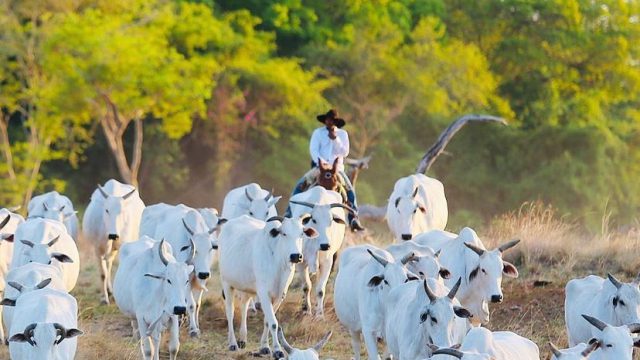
6, 147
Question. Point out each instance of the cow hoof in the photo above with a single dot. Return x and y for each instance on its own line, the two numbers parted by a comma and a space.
305, 308
104, 302
242, 344
233, 348
265, 351
258, 306
278, 355
194, 333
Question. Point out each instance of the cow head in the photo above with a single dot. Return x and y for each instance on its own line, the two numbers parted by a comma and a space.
392, 273
456, 353
328, 177
114, 216
578, 352
625, 300
175, 278
56, 210
288, 234
484, 273
408, 208
43, 253
203, 243
322, 218
426, 265
23, 289
438, 316
43, 339
261, 207
615, 342
297, 354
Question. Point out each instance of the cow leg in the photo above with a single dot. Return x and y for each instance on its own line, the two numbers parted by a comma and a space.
105, 280
355, 343
244, 308
322, 277
146, 345
306, 288
174, 337
156, 339
227, 293
370, 341
134, 326
112, 257
272, 322
192, 304
264, 338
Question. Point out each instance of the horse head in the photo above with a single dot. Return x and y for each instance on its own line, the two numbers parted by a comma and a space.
328, 177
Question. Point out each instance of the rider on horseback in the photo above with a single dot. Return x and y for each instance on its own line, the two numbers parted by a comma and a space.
330, 145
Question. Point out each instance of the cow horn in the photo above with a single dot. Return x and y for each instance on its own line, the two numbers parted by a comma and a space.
104, 193
508, 245
405, 260
415, 192
555, 350
634, 328
397, 201
284, 342
43, 283
600, 325
317, 347
192, 254
62, 332
303, 203
382, 261
452, 352
349, 209
187, 227
592, 346
269, 195
452, 293
44, 205
279, 218
53, 241
128, 195
614, 281
246, 193
475, 249
430, 294
161, 253
16, 285
28, 334
5, 221
62, 208
437, 253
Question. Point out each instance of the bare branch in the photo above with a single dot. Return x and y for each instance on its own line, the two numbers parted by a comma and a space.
438, 147
137, 151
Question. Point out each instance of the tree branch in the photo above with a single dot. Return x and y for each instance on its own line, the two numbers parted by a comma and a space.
436, 149
137, 151
6, 146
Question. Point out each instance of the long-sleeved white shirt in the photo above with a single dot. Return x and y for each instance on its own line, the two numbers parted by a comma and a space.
324, 148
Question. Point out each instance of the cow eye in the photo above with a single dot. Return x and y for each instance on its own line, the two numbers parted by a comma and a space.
621, 302
314, 221
434, 321
484, 271
251, 213
106, 210
169, 281
609, 345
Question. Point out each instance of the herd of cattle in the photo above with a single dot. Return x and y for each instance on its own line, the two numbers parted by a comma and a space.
425, 297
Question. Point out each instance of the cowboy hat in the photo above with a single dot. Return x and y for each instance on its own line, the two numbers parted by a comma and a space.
332, 114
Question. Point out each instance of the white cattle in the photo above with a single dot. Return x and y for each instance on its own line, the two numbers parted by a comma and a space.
152, 288
328, 219
8, 224
46, 328
258, 257
426, 262
182, 226
46, 241
417, 316
53, 205
483, 344
609, 300
111, 218
581, 351
366, 274
417, 204
249, 200
26, 278
211, 217
481, 270
297, 354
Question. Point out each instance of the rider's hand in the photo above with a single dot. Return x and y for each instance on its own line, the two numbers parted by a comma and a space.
332, 133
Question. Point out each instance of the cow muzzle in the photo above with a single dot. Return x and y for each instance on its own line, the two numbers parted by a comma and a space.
179, 310
295, 258
203, 275
325, 247
113, 237
406, 237
496, 298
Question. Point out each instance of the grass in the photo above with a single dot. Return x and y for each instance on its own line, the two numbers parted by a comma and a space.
552, 249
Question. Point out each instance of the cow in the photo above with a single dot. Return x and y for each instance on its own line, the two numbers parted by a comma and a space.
46, 241
297, 354
581, 351
53, 205
366, 274
181, 226
212, 218
416, 316
8, 224
258, 257
610, 300
481, 270
111, 218
425, 264
29, 277
152, 288
483, 344
417, 204
249, 200
328, 219
47, 326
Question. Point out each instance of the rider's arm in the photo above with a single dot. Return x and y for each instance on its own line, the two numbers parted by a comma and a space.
341, 144
314, 146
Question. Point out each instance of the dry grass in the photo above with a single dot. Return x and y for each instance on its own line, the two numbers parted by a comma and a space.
552, 248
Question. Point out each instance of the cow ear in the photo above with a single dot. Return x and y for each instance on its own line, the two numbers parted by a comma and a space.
509, 270
462, 312
592, 340
456, 346
376, 280
8, 302
154, 276
306, 220
311, 233
339, 220
19, 337
73, 333
274, 200
8, 238
62, 258
222, 221
474, 273
422, 209
636, 343
184, 248
274, 232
